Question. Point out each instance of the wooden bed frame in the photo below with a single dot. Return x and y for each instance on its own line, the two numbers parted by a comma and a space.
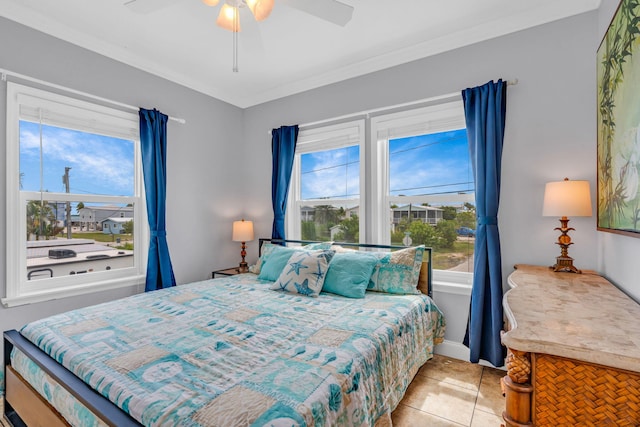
21, 398
24, 406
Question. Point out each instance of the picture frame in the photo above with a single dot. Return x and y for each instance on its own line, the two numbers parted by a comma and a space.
618, 122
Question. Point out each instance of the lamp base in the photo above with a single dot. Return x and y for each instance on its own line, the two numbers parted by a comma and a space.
565, 264
243, 267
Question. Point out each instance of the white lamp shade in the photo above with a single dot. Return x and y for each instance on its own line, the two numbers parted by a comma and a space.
261, 9
567, 198
242, 231
227, 18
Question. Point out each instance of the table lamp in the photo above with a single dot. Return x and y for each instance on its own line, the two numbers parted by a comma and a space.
563, 199
243, 232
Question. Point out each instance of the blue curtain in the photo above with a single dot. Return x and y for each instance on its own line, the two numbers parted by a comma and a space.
153, 141
283, 148
485, 110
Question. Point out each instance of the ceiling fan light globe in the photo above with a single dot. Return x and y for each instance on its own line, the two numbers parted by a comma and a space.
261, 9
227, 18
211, 2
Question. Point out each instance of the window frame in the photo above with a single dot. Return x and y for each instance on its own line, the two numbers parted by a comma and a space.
437, 118
325, 138
86, 117
440, 117
432, 116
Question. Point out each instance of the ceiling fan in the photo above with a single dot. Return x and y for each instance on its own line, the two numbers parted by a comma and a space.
229, 17
332, 11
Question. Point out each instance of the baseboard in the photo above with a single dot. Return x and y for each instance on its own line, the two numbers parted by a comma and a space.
456, 350
452, 349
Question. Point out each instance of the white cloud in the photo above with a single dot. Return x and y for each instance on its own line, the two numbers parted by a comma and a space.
29, 141
96, 162
330, 178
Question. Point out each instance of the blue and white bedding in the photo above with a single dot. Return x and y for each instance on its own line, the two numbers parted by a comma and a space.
230, 351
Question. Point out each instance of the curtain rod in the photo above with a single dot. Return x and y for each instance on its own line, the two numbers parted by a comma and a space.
6, 73
392, 107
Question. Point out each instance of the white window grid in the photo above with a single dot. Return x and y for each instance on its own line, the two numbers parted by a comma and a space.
32, 104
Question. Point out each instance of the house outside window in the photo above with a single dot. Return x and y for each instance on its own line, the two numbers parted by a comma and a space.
327, 185
426, 214
68, 163
416, 182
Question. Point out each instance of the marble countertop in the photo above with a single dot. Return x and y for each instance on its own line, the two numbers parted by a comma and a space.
578, 316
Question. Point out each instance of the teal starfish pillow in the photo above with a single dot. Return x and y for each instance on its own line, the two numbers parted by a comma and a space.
274, 257
304, 273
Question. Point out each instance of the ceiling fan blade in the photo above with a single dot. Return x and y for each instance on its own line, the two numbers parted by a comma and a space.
148, 6
330, 10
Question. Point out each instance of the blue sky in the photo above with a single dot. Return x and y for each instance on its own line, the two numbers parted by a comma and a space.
430, 164
427, 164
331, 173
99, 164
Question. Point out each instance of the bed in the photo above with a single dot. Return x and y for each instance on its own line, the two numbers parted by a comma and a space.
238, 350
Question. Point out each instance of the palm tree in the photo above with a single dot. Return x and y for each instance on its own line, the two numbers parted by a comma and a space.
325, 214
39, 217
33, 214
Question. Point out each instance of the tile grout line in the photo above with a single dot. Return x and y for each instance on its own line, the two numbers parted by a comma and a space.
475, 403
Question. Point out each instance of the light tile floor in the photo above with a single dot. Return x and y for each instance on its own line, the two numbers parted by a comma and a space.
447, 393
452, 393
3, 423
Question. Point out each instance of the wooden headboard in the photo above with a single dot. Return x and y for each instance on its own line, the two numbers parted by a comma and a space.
424, 283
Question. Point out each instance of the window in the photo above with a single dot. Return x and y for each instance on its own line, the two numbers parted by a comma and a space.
326, 194
418, 184
71, 165
423, 183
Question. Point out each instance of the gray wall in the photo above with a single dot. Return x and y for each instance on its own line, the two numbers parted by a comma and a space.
219, 162
202, 200
550, 132
617, 255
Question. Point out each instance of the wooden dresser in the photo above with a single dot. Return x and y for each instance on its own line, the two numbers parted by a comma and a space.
574, 351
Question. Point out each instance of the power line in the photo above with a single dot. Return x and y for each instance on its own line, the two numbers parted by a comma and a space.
436, 186
80, 191
331, 167
390, 153
335, 197
424, 145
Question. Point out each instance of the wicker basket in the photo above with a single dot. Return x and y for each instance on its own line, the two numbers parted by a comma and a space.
573, 393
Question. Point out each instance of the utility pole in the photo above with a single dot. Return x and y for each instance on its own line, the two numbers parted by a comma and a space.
65, 181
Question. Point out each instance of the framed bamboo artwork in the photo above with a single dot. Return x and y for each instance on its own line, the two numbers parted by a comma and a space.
618, 92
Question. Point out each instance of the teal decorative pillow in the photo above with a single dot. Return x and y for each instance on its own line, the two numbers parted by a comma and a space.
265, 250
397, 272
278, 263
318, 246
304, 273
349, 273
273, 260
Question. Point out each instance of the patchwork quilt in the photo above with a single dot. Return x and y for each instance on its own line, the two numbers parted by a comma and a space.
232, 352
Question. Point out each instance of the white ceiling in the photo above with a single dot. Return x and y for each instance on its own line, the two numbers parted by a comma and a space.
289, 52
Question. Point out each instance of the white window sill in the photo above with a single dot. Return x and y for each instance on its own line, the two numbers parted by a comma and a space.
64, 292
452, 282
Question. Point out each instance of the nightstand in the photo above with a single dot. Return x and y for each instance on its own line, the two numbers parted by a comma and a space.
225, 272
